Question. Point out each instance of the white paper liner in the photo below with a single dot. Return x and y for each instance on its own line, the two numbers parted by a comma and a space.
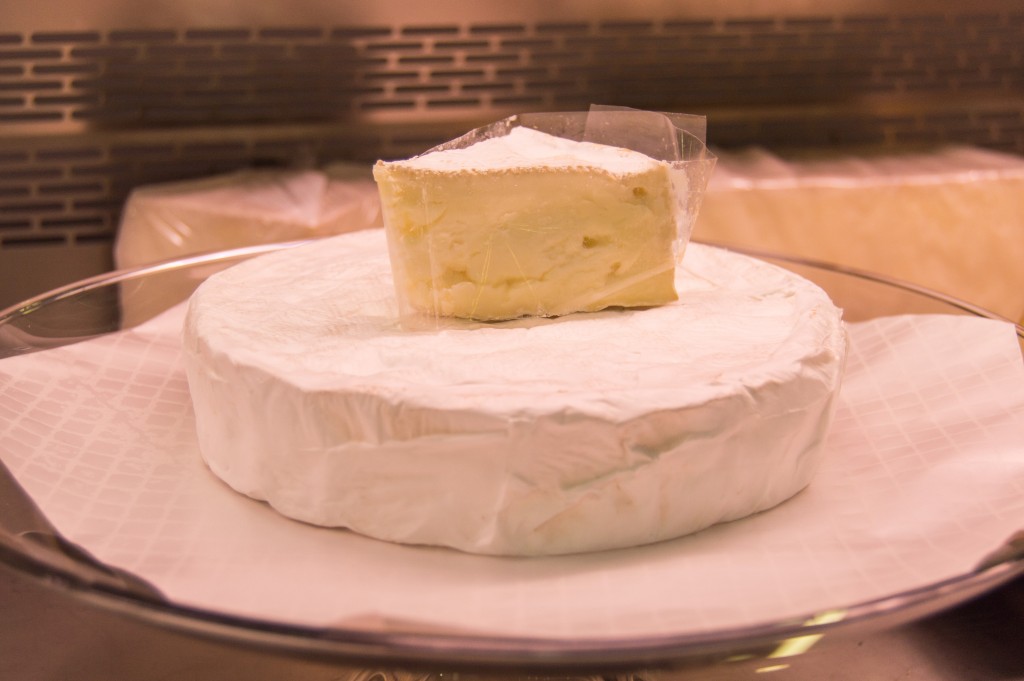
925, 476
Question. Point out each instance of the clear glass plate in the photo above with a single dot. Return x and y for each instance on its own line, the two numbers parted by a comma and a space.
111, 302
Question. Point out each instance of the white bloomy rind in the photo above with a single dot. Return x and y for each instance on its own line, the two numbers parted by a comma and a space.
528, 437
527, 149
531, 224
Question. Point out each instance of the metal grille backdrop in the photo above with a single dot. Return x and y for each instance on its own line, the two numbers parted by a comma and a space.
88, 114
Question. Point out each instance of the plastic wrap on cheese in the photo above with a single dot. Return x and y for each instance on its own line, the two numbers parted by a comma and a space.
545, 215
950, 219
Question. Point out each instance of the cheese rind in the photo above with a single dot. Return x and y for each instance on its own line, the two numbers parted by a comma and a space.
530, 224
528, 437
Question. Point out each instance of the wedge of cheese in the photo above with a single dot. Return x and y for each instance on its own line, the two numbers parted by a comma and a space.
530, 224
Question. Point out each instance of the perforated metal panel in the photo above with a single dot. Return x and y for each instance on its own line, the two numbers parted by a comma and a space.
193, 77
87, 114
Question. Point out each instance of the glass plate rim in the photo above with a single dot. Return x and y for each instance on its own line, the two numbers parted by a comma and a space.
88, 580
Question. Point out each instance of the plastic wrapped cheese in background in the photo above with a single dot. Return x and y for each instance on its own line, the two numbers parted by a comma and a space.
243, 208
950, 219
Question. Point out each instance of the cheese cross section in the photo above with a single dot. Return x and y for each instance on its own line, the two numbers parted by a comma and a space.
529, 224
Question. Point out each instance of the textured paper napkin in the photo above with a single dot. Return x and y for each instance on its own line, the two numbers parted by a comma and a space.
924, 476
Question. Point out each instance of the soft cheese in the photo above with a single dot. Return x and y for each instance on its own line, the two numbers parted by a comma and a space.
526, 437
530, 224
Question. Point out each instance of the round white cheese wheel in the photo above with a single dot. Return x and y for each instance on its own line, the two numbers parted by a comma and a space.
535, 436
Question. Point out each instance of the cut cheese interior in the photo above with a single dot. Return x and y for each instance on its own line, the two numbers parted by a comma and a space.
530, 224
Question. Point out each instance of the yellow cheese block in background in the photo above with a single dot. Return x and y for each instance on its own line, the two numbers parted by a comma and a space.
951, 219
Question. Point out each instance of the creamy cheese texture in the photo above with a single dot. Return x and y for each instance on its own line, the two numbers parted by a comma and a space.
530, 224
527, 437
